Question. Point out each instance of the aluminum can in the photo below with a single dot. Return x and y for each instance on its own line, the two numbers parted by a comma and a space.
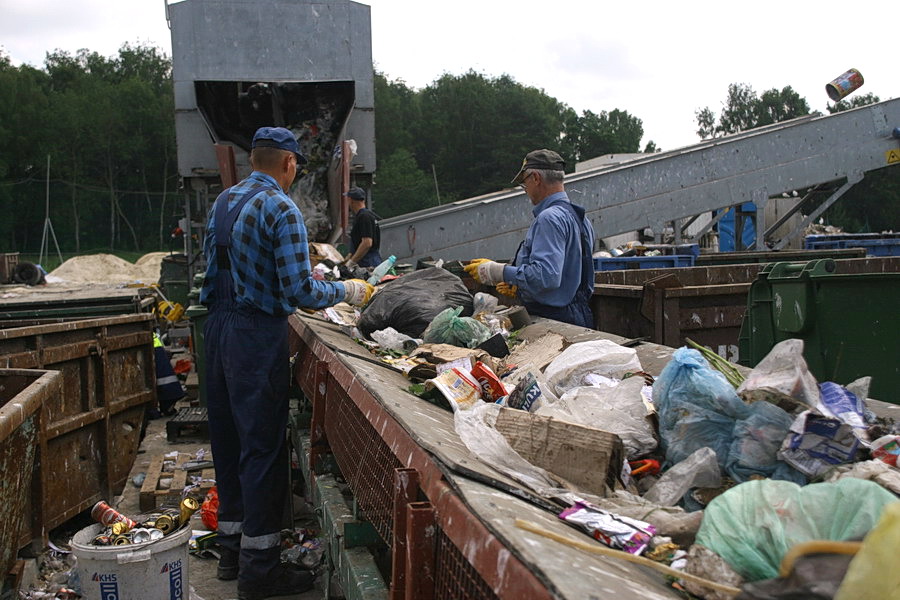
187, 508
140, 535
156, 534
165, 523
119, 528
121, 540
107, 515
101, 540
844, 85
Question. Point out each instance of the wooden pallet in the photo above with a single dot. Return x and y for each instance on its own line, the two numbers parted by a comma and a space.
154, 494
191, 424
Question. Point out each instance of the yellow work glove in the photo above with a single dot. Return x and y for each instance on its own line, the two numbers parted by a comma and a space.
506, 289
358, 292
485, 271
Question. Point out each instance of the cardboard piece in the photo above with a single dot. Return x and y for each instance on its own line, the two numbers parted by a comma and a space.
588, 458
321, 251
533, 356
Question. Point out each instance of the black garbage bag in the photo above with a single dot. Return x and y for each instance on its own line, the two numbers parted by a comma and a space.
409, 303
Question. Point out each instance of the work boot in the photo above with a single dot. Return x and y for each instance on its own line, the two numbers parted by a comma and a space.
281, 581
228, 564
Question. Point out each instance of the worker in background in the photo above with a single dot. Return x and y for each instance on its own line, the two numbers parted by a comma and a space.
553, 271
365, 236
168, 386
257, 273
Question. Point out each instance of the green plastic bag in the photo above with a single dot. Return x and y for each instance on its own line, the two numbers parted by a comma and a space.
873, 572
449, 328
753, 525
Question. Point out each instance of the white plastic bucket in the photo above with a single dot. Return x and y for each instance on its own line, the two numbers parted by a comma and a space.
152, 571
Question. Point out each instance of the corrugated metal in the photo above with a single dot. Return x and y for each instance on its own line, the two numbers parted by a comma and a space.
650, 192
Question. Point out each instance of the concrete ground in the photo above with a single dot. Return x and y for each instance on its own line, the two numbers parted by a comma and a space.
202, 572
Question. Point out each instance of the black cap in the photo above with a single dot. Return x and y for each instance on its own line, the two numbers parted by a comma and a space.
546, 160
356, 193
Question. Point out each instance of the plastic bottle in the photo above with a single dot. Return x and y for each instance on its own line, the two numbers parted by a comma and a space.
382, 269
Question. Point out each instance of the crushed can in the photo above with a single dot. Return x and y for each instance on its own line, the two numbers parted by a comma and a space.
107, 515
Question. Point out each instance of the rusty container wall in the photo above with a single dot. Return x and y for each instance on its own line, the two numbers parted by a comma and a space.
92, 429
705, 304
23, 395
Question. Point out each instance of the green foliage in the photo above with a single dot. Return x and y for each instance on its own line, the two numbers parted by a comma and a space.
855, 102
743, 110
402, 186
472, 131
107, 125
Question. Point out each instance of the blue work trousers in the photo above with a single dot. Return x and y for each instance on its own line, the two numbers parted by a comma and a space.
247, 379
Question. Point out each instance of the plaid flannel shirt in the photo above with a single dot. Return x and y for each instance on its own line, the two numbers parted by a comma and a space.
269, 254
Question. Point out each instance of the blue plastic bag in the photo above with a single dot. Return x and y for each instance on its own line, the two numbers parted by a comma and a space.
697, 408
756, 442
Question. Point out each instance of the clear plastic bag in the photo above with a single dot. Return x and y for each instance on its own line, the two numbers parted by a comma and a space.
619, 410
700, 469
754, 524
476, 429
449, 328
697, 407
484, 303
391, 339
599, 357
783, 371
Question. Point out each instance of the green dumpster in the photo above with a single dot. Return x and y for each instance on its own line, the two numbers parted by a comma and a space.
849, 322
196, 314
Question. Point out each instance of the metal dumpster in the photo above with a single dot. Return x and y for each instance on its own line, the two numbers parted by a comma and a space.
92, 429
23, 395
706, 304
848, 321
737, 258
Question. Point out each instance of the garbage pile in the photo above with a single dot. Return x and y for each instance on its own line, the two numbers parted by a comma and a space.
757, 487
123, 531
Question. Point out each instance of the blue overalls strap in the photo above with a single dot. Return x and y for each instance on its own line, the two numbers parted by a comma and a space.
226, 218
586, 287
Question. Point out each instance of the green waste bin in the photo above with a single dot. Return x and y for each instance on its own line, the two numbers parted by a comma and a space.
197, 314
849, 323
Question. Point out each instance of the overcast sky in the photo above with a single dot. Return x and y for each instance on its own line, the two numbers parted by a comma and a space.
658, 60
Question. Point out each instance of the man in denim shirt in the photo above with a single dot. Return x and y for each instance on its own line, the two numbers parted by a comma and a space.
257, 273
553, 271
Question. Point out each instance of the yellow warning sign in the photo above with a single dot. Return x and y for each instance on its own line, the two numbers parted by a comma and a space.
892, 156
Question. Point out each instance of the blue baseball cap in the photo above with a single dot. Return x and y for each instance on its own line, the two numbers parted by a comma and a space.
278, 137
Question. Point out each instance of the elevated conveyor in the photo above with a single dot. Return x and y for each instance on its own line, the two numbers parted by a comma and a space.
809, 153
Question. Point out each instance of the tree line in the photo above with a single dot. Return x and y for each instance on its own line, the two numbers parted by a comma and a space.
106, 126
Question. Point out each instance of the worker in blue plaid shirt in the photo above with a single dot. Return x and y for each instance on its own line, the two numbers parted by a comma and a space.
257, 273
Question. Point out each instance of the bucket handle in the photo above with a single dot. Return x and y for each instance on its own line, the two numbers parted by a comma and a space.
132, 557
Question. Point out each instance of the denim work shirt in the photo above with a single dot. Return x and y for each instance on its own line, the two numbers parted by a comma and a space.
548, 264
269, 254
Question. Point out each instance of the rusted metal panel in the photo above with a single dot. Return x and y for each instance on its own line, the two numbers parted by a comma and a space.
23, 396
92, 428
706, 304
369, 445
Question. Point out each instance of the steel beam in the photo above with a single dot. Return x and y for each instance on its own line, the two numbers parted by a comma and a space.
420, 549
406, 487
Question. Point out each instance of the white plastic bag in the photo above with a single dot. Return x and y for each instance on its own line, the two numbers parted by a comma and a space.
619, 410
783, 370
700, 469
476, 429
599, 357
391, 339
